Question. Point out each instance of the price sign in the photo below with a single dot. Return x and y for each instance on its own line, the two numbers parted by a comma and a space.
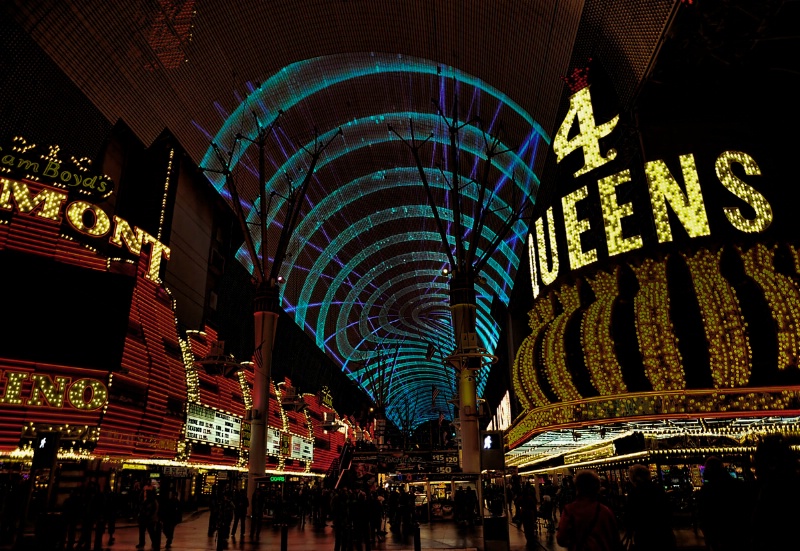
212, 426
302, 448
273, 442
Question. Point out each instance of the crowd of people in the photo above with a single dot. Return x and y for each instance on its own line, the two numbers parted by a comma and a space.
733, 514
583, 512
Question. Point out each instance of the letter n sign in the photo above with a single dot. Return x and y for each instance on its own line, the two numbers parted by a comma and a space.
492, 452
45, 450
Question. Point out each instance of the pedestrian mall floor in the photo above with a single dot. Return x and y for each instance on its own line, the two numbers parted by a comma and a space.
192, 534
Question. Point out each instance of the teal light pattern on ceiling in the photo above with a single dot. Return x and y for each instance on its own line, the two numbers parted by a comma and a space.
364, 270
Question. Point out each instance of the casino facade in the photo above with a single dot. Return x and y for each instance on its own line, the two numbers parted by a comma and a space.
92, 355
665, 278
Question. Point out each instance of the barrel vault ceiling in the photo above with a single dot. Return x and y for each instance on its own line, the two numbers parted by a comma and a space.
364, 270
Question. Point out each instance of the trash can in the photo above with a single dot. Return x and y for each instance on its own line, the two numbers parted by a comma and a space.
50, 531
495, 534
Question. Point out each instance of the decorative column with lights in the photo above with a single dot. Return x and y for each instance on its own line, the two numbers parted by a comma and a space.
267, 302
469, 357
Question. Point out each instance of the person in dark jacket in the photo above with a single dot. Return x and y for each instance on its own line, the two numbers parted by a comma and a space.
170, 509
585, 523
777, 508
148, 520
526, 513
111, 507
648, 515
240, 506
73, 511
224, 519
258, 514
723, 508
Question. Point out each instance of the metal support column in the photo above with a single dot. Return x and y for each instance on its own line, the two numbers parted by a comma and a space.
463, 310
265, 316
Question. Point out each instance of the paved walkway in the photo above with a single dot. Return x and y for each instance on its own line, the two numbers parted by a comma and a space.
191, 535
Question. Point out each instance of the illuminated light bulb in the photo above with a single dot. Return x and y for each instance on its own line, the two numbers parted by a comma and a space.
762, 208
655, 332
596, 339
730, 356
782, 295
689, 208
49, 199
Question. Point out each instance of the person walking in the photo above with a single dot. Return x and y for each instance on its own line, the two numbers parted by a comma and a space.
170, 516
110, 509
723, 508
224, 519
586, 524
240, 506
258, 514
526, 514
148, 521
73, 511
648, 515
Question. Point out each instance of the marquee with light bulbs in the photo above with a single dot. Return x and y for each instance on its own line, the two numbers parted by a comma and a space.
137, 410
679, 305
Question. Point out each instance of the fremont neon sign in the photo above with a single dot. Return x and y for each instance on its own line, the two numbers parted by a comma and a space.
54, 392
688, 206
86, 218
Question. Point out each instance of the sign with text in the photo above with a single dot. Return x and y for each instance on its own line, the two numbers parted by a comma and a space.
273, 442
302, 448
211, 426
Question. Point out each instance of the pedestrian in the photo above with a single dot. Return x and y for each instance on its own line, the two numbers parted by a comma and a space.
723, 508
565, 494
148, 521
258, 514
341, 519
96, 516
585, 523
171, 516
110, 509
648, 515
526, 514
73, 511
213, 512
547, 512
776, 509
89, 514
240, 506
224, 519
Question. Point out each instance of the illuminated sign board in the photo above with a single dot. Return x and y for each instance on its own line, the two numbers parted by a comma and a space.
501, 419
325, 397
273, 442
277, 479
52, 392
87, 219
302, 448
42, 164
685, 201
211, 426
245, 435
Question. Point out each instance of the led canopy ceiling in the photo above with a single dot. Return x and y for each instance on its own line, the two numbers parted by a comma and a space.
366, 273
